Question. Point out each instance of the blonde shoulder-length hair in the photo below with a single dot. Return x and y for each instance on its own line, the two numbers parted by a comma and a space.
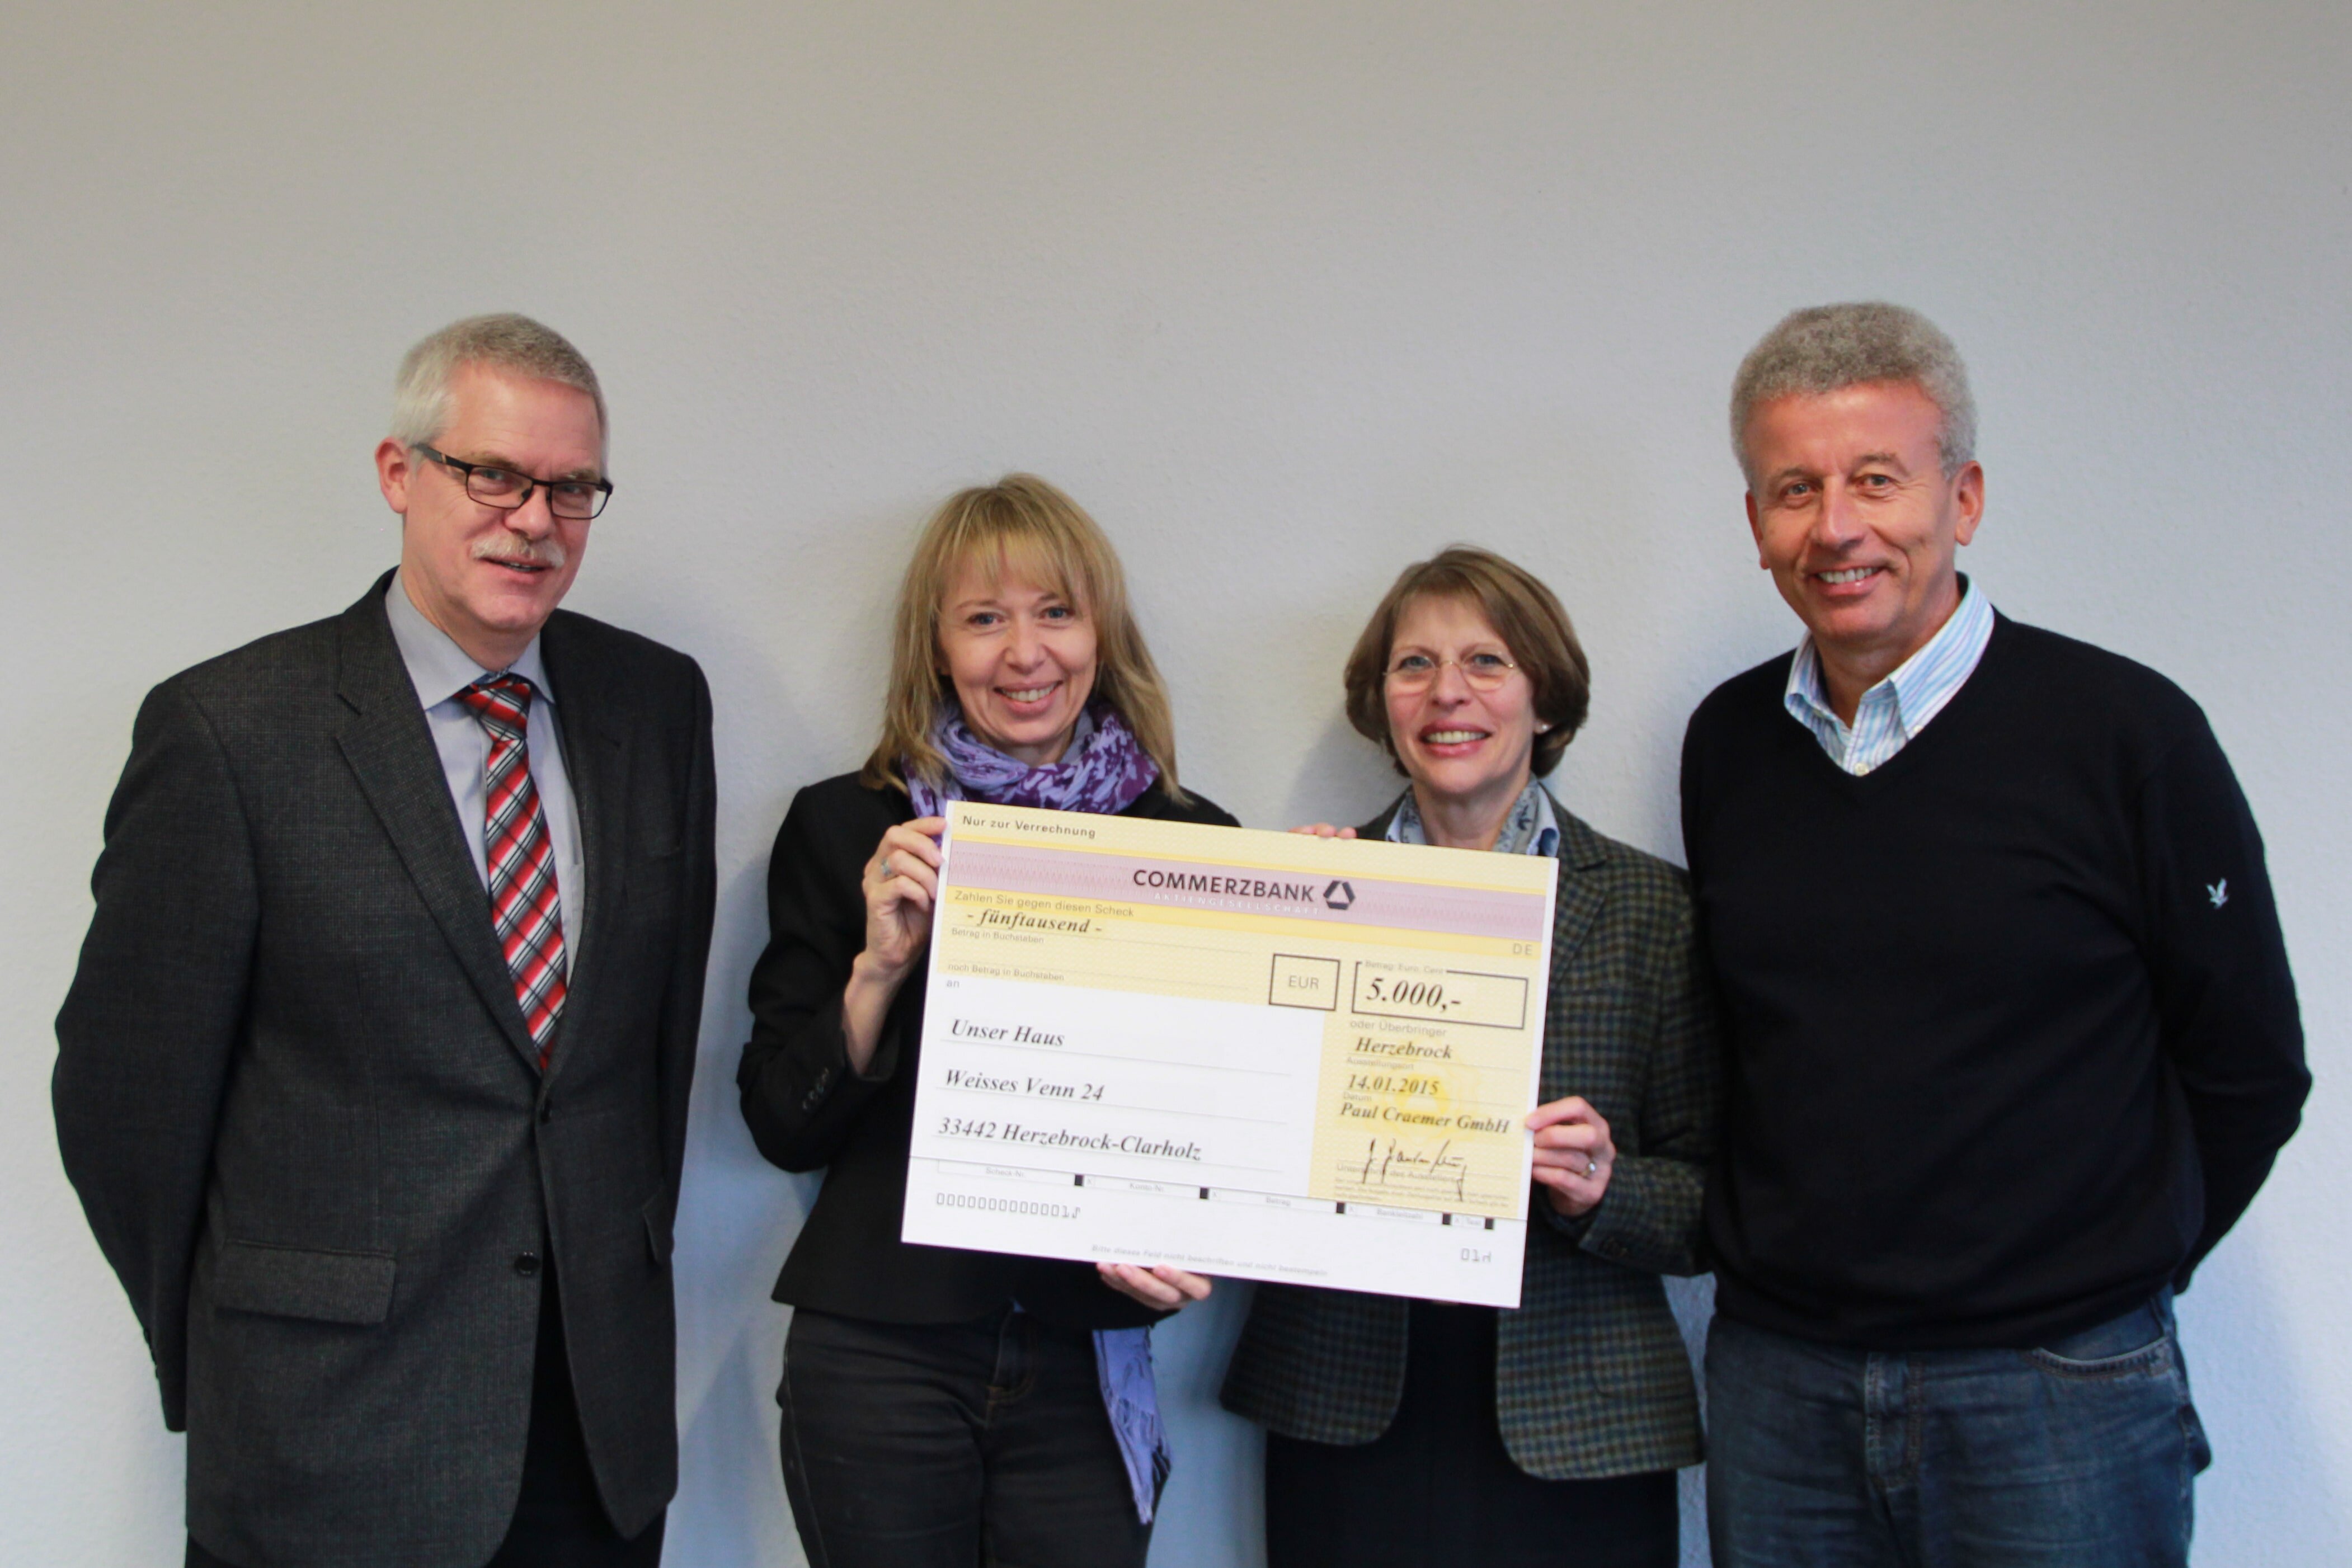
1020, 526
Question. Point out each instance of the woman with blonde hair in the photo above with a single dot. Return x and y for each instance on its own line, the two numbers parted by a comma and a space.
943, 1407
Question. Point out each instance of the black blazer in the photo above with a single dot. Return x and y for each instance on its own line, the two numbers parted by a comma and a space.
297, 1097
807, 1109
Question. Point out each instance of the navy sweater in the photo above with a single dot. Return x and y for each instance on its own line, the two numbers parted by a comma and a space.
2012, 1039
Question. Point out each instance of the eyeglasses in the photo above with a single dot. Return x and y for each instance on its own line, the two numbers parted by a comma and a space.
1481, 672
578, 499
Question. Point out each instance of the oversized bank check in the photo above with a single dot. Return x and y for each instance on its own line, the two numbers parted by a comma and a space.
1243, 1053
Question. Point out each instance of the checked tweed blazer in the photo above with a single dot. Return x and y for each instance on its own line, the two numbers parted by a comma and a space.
308, 1125
1590, 1376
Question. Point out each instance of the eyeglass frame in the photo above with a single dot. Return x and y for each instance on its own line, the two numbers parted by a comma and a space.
1437, 667
532, 485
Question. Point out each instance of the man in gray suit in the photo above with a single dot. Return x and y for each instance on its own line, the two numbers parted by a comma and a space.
373, 1076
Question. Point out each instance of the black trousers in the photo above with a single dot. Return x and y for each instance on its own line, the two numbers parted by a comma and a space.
952, 1445
559, 1520
1439, 1486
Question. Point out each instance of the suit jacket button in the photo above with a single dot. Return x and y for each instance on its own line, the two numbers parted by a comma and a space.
527, 1264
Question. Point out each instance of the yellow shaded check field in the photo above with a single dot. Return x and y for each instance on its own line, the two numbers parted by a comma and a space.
1470, 997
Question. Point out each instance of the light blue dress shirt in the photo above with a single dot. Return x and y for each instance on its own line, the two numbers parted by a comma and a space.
439, 669
1892, 713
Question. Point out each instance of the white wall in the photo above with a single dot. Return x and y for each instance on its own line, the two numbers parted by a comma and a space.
1288, 294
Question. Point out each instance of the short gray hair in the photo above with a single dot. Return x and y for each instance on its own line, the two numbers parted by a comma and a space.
1827, 348
420, 393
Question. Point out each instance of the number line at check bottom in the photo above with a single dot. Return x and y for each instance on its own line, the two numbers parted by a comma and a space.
1193, 1191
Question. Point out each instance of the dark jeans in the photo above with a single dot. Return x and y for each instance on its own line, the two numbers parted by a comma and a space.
2080, 1454
559, 1520
1439, 1486
944, 1446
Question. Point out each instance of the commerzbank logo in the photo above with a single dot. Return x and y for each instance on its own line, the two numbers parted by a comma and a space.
1222, 887
1337, 893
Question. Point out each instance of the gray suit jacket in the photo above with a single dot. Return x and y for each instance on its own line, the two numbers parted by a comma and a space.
297, 1097
1590, 1376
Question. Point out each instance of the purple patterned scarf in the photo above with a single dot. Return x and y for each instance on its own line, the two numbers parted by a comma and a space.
1104, 770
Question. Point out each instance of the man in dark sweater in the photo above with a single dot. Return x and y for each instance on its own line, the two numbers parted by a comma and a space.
2013, 1036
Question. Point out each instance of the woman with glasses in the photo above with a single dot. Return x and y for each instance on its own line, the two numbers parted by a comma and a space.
941, 1406
1413, 1432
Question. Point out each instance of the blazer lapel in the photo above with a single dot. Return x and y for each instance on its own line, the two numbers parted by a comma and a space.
391, 753
596, 757
1578, 896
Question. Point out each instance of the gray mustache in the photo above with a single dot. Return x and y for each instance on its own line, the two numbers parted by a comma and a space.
523, 552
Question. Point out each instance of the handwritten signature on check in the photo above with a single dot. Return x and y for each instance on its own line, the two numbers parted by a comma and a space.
1400, 1164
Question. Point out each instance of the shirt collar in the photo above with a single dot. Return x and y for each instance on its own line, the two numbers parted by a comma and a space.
1532, 828
1921, 685
437, 667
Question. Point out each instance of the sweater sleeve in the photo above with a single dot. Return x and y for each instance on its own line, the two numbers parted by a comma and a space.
2225, 998
800, 1098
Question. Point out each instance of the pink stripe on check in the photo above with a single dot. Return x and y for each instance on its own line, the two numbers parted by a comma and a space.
1123, 879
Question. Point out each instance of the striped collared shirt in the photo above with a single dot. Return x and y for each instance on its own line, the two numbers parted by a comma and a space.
1898, 707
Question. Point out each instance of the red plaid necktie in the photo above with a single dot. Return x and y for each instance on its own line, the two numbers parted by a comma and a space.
524, 909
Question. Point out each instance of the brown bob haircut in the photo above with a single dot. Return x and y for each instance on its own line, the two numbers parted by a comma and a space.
1522, 611
1023, 527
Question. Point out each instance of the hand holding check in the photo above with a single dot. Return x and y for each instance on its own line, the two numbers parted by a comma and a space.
1573, 1154
900, 885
